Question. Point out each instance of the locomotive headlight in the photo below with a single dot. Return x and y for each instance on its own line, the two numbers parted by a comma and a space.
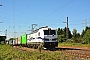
56, 40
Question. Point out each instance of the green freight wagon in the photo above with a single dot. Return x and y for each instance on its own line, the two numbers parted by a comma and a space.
24, 39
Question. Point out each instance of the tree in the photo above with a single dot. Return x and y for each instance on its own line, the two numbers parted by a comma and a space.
64, 32
69, 34
61, 38
74, 33
78, 38
86, 28
58, 31
82, 34
61, 31
86, 37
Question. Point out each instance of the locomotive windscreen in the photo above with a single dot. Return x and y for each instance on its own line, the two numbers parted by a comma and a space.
49, 32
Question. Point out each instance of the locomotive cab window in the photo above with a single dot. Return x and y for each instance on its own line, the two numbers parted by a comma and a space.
49, 32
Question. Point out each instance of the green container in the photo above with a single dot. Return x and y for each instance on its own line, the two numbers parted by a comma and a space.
24, 39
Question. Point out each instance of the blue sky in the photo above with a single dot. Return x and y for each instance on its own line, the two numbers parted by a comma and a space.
52, 13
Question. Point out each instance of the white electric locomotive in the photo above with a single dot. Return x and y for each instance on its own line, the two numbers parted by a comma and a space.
45, 36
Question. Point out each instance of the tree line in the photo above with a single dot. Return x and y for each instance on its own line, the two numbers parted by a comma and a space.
75, 37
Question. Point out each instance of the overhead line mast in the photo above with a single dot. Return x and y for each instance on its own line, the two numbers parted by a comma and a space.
86, 22
67, 28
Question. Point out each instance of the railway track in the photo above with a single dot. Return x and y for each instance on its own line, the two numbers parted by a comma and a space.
75, 52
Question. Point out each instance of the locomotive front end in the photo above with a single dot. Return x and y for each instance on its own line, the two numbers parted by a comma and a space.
50, 38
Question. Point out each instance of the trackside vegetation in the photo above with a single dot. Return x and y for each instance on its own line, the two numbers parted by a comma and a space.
7, 52
67, 44
74, 36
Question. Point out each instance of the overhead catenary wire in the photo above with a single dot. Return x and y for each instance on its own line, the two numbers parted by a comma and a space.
80, 6
74, 15
53, 12
25, 22
13, 19
16, 15
80, 13
24, 11
8, 19
58, 9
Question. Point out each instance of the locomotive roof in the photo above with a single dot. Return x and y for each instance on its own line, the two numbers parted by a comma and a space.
42, 28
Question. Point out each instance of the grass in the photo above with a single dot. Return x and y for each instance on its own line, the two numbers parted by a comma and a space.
7, 52
73, 44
